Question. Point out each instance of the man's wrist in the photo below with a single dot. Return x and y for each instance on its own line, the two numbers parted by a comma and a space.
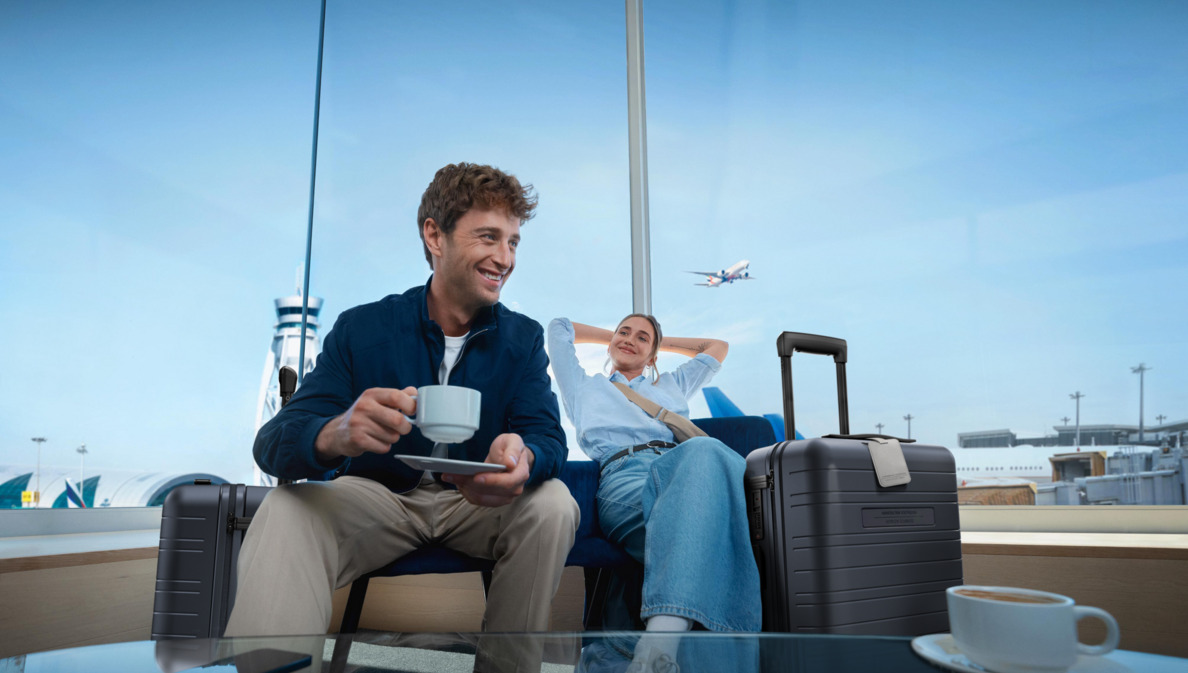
531, 456
324, 443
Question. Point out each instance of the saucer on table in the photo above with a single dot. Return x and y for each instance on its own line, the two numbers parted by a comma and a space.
939, 649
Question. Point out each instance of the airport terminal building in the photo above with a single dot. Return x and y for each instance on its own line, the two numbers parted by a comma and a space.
1170, 434
106, 487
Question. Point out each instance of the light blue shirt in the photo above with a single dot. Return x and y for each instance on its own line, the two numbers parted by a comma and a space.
606, 421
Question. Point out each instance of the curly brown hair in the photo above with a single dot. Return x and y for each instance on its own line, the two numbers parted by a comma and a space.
457, 188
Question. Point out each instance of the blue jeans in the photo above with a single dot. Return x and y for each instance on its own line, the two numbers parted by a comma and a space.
682, 513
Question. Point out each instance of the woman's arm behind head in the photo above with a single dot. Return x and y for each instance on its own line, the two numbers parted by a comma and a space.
715, 348
588, 334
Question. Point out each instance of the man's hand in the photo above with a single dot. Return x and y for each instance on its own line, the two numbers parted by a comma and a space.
373, 424
494, 489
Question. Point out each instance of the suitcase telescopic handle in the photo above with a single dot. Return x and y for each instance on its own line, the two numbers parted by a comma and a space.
791, 342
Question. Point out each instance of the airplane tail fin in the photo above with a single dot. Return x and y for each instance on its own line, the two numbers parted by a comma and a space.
721, 406
777, 424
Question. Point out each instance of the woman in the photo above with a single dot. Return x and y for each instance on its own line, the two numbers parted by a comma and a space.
678, 509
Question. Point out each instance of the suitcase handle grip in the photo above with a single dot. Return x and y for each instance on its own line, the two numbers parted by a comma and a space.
870, 435
790, 342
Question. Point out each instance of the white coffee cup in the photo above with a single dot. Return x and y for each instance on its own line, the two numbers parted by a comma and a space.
1011, 630
447, 414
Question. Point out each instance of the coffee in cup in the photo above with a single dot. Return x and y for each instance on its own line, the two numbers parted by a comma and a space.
447, 414
1013, 630
1008, 596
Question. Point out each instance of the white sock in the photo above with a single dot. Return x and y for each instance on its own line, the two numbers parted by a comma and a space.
668, 623
663, 637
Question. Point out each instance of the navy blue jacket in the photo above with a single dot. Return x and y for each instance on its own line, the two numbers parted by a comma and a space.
392, 343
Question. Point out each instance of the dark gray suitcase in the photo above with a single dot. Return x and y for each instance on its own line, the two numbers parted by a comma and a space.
837, 552
202, 528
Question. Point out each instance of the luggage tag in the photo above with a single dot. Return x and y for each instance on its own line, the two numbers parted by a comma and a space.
889, 464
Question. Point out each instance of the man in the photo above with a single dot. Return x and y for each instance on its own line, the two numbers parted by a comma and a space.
309, 538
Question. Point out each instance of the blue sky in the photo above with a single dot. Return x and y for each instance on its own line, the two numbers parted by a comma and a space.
987, 200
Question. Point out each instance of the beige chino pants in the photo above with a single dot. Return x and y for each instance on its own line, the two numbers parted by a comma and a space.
311, 538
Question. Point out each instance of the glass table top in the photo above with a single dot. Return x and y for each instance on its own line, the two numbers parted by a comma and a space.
603, 652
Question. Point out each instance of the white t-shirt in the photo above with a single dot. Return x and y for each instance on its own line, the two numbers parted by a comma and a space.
453, 348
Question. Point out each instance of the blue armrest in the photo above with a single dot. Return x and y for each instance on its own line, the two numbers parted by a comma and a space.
744, 434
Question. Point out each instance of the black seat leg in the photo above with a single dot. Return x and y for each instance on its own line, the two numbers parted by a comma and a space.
596, 588
354, 606
342, 652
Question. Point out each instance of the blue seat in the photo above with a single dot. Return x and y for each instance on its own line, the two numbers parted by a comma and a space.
590, 550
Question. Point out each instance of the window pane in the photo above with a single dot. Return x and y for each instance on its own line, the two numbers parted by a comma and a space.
538, 91
154, 172
987, 201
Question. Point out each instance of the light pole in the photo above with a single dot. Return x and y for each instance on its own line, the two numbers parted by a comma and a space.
880, 427
1160, 418
82, 458
1140, 370
37, 493
1077, 396
1065, 420
909, 418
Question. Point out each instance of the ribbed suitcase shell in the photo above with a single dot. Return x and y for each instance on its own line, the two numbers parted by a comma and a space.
840, 554
196, 563
837, 552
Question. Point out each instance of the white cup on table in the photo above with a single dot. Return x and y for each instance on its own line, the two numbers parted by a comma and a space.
1011, 630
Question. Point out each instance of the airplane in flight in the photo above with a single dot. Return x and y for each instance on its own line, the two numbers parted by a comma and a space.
716, 278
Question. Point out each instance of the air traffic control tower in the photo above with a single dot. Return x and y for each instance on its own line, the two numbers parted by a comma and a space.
285, 352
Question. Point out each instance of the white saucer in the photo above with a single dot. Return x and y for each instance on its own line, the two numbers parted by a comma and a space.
939, 649
449, 465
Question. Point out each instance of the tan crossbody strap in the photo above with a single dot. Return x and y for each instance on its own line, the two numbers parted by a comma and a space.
682, 428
